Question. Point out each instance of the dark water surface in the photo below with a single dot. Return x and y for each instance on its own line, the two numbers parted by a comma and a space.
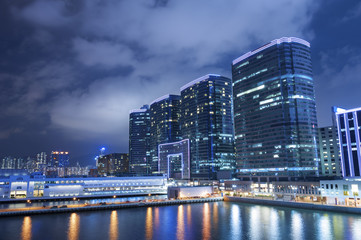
220, 220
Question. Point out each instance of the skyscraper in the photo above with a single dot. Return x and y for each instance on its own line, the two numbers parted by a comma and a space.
139, 133
164, 125
329, 152
274, 111
207, 121
349, 133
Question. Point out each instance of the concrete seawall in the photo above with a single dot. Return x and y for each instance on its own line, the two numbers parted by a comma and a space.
310, 206
109, 207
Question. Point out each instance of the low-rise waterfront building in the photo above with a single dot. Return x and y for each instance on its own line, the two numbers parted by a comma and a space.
187, 192
27, 187
342, 192
281, 190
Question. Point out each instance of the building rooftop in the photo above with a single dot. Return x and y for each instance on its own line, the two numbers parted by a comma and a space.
137, 110
339, 110
270, 44
198, 80
164, 97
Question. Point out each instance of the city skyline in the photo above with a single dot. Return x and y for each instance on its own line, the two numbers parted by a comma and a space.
68, 82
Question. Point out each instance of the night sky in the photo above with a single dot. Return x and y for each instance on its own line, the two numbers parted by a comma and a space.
71, 70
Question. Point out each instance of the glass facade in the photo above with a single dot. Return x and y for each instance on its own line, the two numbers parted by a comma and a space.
164, 125
274, 110
328, 152
174, 159
349, 132
207, 121
139, 134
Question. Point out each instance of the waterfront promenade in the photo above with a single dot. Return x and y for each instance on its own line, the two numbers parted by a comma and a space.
98, 207
289, 204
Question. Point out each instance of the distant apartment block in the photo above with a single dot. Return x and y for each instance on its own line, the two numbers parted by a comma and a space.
330, 164
113, 164
59, 159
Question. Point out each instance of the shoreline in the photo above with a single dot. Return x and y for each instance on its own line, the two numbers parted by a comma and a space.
298, 205
109, 207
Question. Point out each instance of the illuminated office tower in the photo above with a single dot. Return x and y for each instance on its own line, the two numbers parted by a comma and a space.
139, 133
329, 152
349, 133
164, 125
59, 159
207, 121
275, 112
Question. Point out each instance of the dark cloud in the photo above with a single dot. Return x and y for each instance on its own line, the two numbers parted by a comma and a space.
72, 70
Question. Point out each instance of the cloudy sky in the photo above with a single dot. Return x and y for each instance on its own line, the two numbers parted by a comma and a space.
70, 70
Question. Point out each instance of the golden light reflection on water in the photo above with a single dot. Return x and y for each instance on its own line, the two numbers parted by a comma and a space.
206, 233
180, 223
113, 229
189, 215
156, 218
215, 214
149, 224
26, 229
74, 224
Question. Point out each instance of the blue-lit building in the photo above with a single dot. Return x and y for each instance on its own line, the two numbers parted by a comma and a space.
174, 159
139, 134
349, 132
275, 112
164, 125
59, 159
207, 121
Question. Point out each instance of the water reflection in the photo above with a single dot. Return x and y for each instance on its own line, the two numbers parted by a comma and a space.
296, 225
274, 224
337, 227
180, 223
113, 229
206, 233
215, 216
356, 229
324, 227
235, 221
149, 224
26, 229
156, 218
189, 216
255, 222
74, 223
